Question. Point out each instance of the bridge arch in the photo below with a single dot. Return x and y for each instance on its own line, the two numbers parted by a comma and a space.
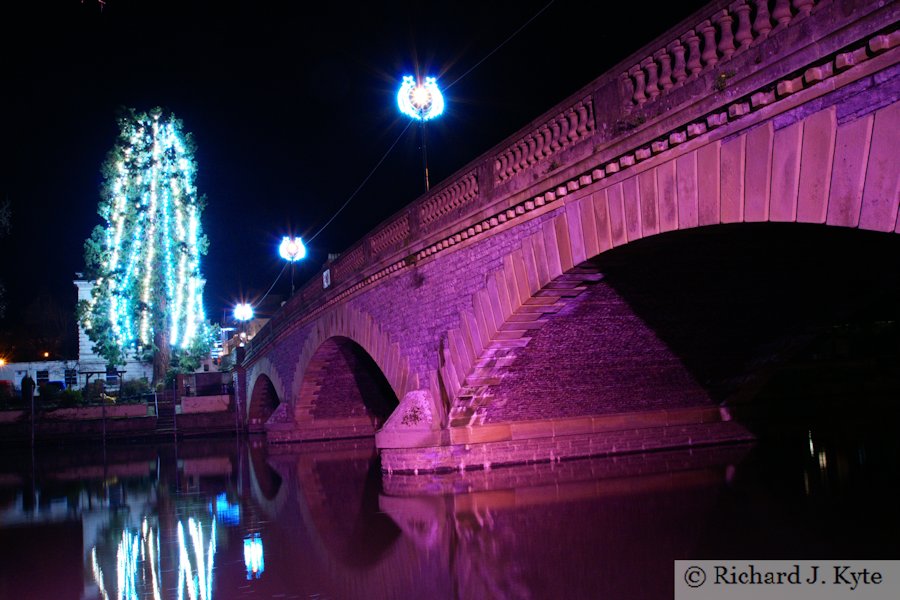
346, 381
342, 380
266, 394
812, 170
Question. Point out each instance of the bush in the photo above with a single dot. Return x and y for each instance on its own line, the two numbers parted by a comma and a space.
91, 392
49, 392
70, 398
134, 388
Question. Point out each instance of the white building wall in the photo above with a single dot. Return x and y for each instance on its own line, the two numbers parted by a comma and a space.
90, 361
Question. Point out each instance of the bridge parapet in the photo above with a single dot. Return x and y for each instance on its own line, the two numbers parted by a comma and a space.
723, 32
724, 63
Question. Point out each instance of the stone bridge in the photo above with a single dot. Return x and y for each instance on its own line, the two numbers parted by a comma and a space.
476, 326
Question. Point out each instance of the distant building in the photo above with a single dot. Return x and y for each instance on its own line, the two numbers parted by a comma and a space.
91, 362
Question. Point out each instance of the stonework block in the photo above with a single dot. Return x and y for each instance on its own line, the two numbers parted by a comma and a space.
492, 297
481, 320
815, 166
732, 180
668, 196
717, 119
632, 205
818, 73
616, 215
883, 42
551, 247
506, 308
518, 263
588, 223
647, 190
686, 184
540, 259
786, 172
530, 264
789, 86
850, 59
762, 99
679, 137
738, 109
695, 129
601, 216
708, 169
851, 153
881, 194
563, 241
758, 174
575, 232
509, 278
472, 337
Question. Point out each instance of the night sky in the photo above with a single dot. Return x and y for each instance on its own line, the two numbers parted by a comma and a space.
289, 111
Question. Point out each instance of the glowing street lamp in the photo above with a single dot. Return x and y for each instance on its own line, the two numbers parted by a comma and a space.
292, 250
421, 102
243, 312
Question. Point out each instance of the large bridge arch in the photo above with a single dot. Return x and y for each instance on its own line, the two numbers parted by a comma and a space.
811, 170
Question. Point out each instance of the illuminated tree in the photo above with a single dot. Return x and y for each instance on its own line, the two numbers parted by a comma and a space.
147, 299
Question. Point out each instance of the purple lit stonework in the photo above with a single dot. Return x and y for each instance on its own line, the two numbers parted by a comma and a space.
485, 309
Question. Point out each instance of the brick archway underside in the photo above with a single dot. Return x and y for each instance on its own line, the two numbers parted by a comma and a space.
342, 381
263, 401
669, 329
812, 168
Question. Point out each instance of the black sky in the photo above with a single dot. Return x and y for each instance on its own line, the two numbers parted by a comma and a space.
289, 108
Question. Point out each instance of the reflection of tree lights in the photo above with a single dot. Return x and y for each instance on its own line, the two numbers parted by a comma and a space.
194, 568
253, 556
421, 102
98, 574
199, 586
126, 565
292, 249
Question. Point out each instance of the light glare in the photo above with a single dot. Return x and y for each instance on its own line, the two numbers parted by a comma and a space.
243, 312
422, 101
292, 249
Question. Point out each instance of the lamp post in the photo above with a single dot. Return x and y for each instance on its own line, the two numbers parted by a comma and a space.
292, 250
243, 312
422, 102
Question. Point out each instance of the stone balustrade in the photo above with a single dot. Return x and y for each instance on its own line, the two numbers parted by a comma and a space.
724, 33
569, 126
449, 200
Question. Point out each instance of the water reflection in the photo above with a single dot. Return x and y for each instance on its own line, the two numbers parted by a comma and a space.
205, 520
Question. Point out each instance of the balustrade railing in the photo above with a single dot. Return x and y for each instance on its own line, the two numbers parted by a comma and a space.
718, 37
566, 128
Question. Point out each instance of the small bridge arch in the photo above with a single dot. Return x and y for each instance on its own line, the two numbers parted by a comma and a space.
266, 394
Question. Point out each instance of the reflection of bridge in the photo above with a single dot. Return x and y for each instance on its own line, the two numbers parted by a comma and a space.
749, 111
503, 533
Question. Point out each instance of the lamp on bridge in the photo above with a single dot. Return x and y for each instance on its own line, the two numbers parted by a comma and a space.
421, 101
292, 250
243, 312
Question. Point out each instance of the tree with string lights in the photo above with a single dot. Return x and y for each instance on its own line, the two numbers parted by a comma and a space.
147, 300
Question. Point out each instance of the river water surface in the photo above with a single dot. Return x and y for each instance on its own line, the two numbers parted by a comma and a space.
235, 519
